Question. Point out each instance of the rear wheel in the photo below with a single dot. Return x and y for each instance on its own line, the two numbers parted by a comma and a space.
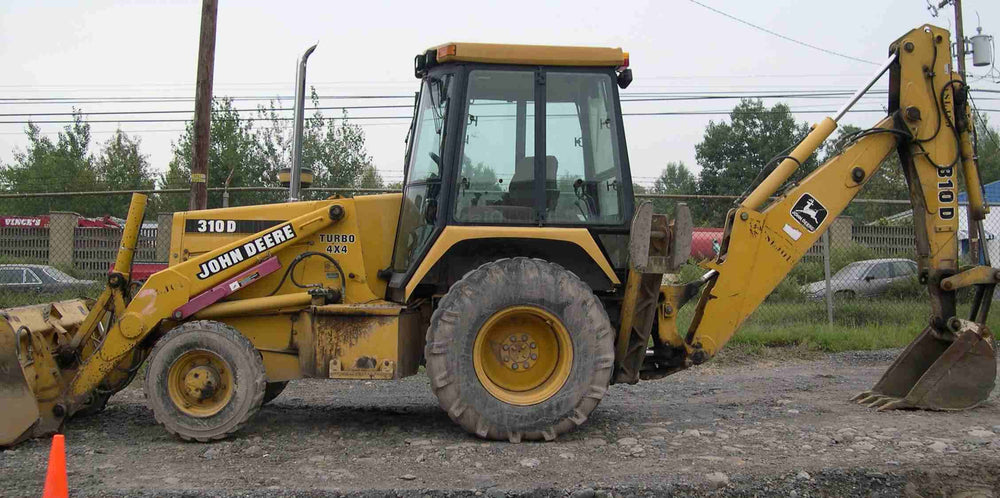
205, 381
844, 294
519, 349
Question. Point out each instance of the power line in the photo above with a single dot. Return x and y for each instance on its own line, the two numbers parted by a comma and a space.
779, 35
91, 100
354, 118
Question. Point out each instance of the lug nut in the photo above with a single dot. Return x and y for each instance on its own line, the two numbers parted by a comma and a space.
533, 346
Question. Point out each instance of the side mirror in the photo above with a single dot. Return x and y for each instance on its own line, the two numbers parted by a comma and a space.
624, 78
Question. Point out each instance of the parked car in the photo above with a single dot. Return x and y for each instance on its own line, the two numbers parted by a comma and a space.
870, 277
39, 278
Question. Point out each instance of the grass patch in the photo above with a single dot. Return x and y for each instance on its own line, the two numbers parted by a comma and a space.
859, 325
827, 338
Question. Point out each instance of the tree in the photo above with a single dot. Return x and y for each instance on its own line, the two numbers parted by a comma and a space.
63, 166
235, 157
888, 182
989, 150
333, 148
675, 178
122, 166
732, 155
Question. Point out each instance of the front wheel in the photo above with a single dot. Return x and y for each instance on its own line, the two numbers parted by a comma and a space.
205, 381
519, 349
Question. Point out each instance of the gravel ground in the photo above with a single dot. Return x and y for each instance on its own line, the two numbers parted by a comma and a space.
764, 428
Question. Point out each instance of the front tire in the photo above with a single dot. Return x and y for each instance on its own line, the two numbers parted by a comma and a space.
519, 349
205, 381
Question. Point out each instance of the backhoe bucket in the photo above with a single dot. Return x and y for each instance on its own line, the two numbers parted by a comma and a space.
20, 410
936, 374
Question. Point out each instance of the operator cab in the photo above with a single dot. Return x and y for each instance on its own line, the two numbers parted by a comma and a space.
515, 135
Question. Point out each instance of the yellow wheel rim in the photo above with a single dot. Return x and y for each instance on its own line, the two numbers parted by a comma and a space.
523, 355
200, 383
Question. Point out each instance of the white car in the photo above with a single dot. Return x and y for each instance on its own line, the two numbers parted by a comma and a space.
870, 277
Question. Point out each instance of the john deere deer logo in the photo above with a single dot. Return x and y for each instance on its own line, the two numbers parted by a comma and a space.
809, 212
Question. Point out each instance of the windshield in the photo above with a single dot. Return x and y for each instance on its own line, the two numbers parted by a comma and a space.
423, 172
852, 271
58, 275
577, 179
428, 134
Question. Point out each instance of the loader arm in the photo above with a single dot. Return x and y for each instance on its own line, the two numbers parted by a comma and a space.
166, 293
64, 374
951, 364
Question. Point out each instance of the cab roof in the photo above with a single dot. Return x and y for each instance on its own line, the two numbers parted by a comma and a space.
540, 55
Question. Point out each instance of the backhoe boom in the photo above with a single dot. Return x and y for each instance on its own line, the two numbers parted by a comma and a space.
949, 366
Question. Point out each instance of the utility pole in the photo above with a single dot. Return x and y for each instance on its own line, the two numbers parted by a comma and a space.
203, 106
970, 222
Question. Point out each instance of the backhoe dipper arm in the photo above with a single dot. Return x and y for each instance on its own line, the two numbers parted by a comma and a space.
167, 291
761, 245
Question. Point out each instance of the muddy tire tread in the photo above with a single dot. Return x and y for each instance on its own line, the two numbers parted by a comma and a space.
442, 331
258, 377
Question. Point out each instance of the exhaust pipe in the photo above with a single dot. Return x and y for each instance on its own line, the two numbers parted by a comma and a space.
295, 179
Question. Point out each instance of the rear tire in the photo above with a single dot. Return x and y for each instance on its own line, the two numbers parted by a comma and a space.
205, 381
481, 367
273, 390
844, 295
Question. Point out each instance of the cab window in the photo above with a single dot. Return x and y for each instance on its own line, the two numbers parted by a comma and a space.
579, 180
497, 178
583, 170
422, 189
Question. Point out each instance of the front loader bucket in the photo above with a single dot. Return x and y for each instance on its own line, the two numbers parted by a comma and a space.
20, 411
936, 374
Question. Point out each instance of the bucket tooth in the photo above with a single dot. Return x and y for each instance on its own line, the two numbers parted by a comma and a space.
934, 373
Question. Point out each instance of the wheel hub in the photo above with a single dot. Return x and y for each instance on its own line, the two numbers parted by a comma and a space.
200, 383
522, 355
519, 352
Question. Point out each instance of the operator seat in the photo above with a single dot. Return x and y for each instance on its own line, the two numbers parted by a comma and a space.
521, 191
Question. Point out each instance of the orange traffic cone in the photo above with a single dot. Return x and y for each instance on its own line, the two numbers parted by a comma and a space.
55, 479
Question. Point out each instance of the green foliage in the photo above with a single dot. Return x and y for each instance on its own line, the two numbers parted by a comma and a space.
731, 155
122, 166
63, 166
988, 149
67, 165
481, 177
250, 151
234, 159
675, 178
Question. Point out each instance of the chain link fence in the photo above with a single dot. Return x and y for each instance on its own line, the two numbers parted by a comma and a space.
861, 274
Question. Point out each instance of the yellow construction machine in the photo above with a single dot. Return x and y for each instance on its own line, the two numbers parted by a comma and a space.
513, 265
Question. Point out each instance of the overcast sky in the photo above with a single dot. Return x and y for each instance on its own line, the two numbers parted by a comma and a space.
98, 49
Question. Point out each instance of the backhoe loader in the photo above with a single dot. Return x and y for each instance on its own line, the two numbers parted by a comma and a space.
513, 265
